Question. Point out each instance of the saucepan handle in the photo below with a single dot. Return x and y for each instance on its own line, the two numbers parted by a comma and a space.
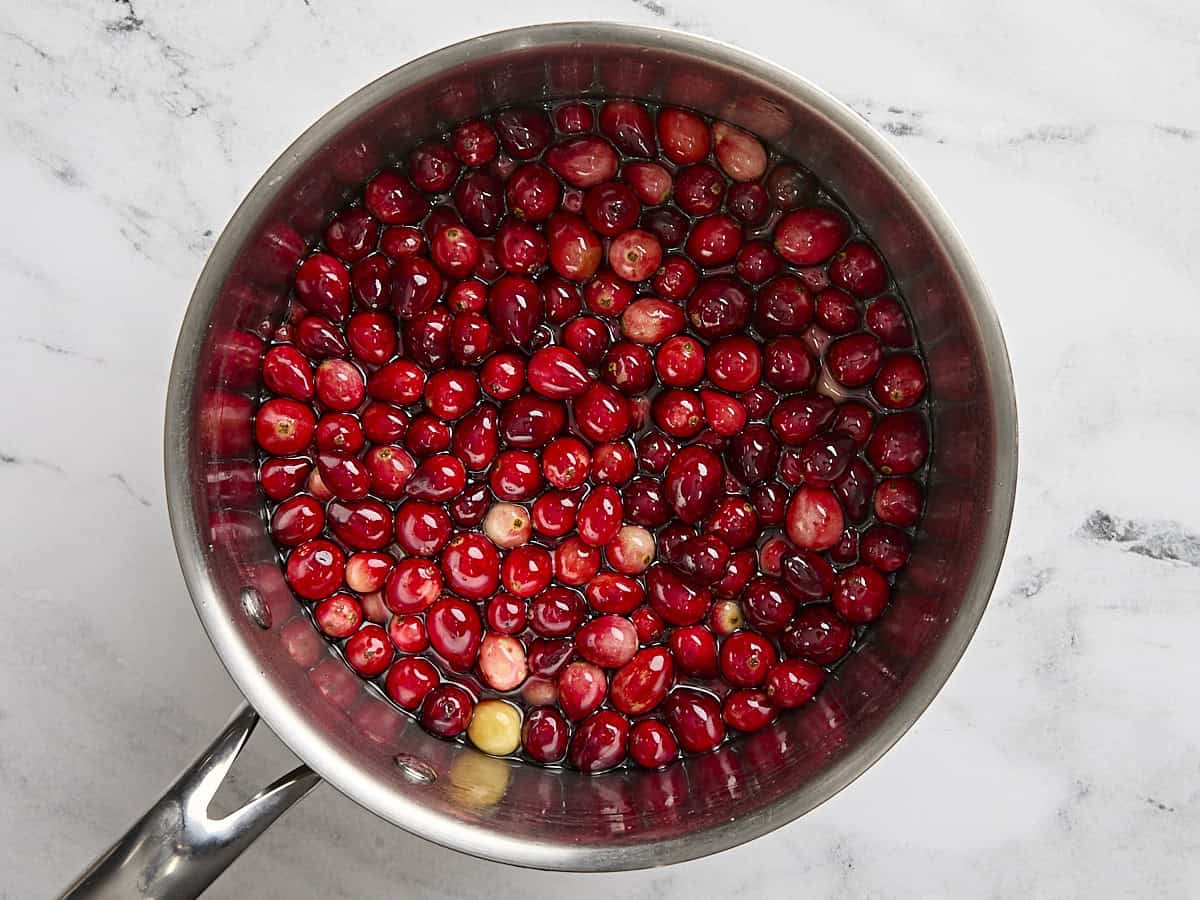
176, 849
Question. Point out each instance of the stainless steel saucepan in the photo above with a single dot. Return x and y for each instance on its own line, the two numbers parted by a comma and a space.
348, 734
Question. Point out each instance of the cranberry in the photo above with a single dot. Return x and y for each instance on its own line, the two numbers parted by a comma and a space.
628, 125
502, 664
363, 525
475, 143
651, 321
545, 735
318, 339
836, 311
575, 250
446, 711
599, 743
725, 617
516, 476
651, 744
807, 575
548, 657
409, 682
532, 192
753, 454
366, 572
745, 659
599, 516
602, 414
582, 687
885, 547
502, 376
768, 604
455, 632
588, 337
524, 133
506, 614
426, 435
323, 286
412, 586
719, 306
683, 136
575, 562
297, 520
531, 422
650, 181
749, 710
737, 574
613, 463
726, 415
394, 200
611, 208
855, 419
680, 361
338, 616
791, 187
399, 241
668, 225
674, 599
749, 204
714, 241
899, 444
515, 308
611, 593
693, 483
695, 718
734, 521
694, 650
860, 594
808, 237
855, 359
898, 501
287, 372
281, 477
469, 508
554, 513
854, 487
784, 307
608, 641
900, 382
479, 199
369, 651
526, 570
845, 551
573, 117
859, 270
471, 566
676, 279
382, 423
284, 426
315, 569
628, 367
422, 529
788, 365
565, 462
557, 372
635, 254
814, 518
607, 295
818, 634
740, 153
352, 234
389, 469
345, 476
583, 162
887, 321
699, 190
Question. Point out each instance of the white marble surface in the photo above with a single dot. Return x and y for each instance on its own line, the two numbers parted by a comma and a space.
1061, 759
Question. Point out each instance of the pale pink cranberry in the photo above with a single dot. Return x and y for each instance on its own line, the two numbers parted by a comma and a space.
608, 641
635, 255
507, 525
650, 181
814, 518
583, 162
582, 687
502, 664
651, 321
631, 551
740, 153
725, 617
809, 237
683, 135
575, 250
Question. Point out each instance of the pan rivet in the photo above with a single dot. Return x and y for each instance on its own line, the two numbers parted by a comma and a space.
255, 608
415, 771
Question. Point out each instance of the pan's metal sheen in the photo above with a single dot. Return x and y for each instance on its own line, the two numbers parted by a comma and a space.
451, 794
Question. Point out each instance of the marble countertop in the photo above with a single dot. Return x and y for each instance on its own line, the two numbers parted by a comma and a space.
1062, 757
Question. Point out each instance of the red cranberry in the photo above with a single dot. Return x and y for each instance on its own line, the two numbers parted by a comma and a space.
433, 168
446, 711
323, 286
676, 279
383, 423
338, 616
784, 307
900, 382
714, 241
898, 501
887, 321
824, 458
427, 434
752, 455
899, 444
427, 338
573, 117
297, 520
352, 234
628, 367
807, 575
516, 476
599, 516
733, 520
394, 200
318, 339
284, 426
582, 687
683, 135
369, 651
531, 422
845, 551
548, 657
628, 125
469, 508
282, 477
532, 192
526, 570
836, 311
400, 241
699, 190
650, 181
515, 308
479, 199
726, 415
808, 237
545, 735
770, 502
701, 560
748, 710
854, 487
673, 599
734, 364
818, 635
649, 624
768, 605
520, 248
557, 372
455, 632
409, 682
476, 439
502, 376
364, 525
340, 385
575, 562
814, 518
287, 372
475, 143
748, 204
599, 743
602, 414
799, 418
860, 594
680, 361
635, 255
608, 641
651, 744
745, 659
607, 295
611, 208
554, 513
412, 586
790, 186
437, 478
422, 529
506, 614
565, 462
719, 306
651, 321
854, 360
525, 133
372, 337
588, 337
859, 270
788, 365
315, 569
695, 718
855, 419
667, 224
471, 566
345, 476
737, 574
610, 593
575, 250
885, 547
694, 650
613, 463
583, 162
389, 469
793, 682
642, 682
400, 382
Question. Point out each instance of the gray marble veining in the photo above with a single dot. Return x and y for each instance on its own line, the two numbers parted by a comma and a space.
1060, 760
